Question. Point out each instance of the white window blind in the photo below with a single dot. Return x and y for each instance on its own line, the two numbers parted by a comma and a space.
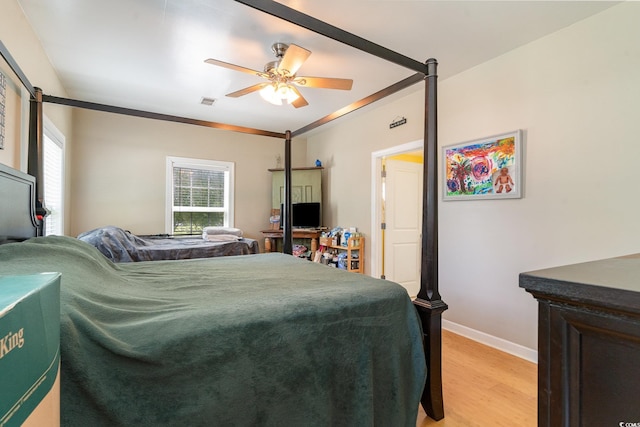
53, 173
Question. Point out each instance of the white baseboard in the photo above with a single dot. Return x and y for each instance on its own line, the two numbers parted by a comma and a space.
495, 342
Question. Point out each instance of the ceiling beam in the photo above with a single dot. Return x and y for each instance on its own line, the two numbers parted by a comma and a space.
310, 23
402, 84
157, 116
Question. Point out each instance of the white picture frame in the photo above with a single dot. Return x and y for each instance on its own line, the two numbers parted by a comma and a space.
485, 168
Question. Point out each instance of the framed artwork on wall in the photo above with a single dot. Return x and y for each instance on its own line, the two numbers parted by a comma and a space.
486, 168
3, 100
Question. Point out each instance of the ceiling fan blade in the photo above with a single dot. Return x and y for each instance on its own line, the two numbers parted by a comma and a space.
300, 102
248, 90
236, 67
293, 59
324, 82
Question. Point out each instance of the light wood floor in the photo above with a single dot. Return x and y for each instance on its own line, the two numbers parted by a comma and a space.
483, 387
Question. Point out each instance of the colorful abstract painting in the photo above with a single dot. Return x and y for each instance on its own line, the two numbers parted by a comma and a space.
488, 168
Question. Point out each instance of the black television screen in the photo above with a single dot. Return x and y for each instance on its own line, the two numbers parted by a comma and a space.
303, 215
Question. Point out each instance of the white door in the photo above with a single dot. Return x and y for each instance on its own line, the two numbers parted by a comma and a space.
403, 218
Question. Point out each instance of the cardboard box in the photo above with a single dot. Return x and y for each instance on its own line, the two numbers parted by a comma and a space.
30, 350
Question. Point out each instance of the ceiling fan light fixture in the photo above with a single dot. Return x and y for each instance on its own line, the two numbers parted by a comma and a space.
268, 93
278, 94
280, 74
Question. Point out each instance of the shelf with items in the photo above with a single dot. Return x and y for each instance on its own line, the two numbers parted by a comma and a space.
348, 257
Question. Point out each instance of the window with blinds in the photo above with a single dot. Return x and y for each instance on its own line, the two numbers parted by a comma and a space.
53, 177
200, 194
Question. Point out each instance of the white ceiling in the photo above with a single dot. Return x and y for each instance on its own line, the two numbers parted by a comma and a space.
149, 54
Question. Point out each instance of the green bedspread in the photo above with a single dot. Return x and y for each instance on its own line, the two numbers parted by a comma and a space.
253, 340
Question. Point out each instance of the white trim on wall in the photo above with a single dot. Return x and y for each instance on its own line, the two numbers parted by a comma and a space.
492, 341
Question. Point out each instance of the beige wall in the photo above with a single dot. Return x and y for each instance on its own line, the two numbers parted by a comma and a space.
576, 95
119, 168
24, 46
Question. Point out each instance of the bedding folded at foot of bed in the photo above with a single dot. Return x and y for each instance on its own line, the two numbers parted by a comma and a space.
212, 231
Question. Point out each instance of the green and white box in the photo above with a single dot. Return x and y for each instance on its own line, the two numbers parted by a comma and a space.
30, 350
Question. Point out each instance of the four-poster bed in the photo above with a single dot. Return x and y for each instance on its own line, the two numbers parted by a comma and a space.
232, 341
429, 304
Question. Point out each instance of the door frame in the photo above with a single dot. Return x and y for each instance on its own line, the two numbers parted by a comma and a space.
376, 200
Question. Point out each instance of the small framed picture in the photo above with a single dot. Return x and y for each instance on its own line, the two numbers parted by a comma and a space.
3, 94
486, 168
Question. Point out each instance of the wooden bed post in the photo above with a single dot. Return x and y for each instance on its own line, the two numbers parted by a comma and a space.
35, 154
429, 304
287, 232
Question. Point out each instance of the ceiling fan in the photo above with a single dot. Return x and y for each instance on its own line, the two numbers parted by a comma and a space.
282, 79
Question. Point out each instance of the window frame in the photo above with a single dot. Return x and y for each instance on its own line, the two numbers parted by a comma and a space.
204, 164
51, 132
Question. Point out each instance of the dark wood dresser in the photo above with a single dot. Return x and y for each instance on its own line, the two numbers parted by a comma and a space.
588, 342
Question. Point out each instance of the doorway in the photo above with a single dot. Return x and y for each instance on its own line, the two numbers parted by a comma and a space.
397, 214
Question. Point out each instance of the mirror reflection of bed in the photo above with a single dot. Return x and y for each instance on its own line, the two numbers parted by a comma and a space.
257, 339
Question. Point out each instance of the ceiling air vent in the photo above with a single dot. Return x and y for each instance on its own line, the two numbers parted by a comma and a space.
207, 101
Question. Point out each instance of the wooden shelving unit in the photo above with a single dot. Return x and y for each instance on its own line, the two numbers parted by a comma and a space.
355, 253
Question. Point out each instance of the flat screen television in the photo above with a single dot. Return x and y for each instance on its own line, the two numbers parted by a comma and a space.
303, 215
